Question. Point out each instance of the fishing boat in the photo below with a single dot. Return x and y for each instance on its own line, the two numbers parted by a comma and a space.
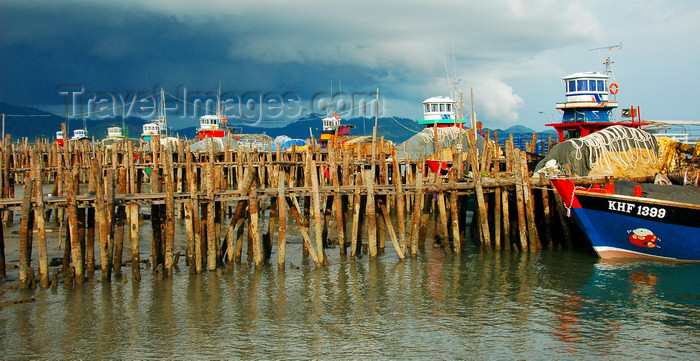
59, 138
333, 131
644, 224
150, 130
214, 125
440, 113
79, 134
623, 219
115, 133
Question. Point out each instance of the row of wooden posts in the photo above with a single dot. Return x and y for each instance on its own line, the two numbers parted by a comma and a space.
379, 196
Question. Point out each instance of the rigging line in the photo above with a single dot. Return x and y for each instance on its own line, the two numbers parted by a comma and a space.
87, 113
396, 121
178, 99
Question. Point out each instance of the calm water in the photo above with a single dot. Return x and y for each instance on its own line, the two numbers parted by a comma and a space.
560, 304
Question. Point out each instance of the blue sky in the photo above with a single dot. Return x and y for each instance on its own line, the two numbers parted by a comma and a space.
512, 53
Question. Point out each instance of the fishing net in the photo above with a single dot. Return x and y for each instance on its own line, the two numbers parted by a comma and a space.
614, 151
423, 143
218, 143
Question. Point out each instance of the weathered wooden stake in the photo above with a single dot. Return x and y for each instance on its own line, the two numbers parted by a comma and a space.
417, 209
24, 232
282, 216
481, 204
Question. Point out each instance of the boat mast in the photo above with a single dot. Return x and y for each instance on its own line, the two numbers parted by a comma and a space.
219, 113
162, 110
473, 116
123, 123
608, 63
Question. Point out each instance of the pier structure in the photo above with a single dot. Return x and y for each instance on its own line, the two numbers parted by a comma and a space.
102, 195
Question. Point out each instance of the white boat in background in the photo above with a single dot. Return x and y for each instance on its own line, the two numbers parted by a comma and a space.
79, 134
440, 111
214, 125
59, 138
159, 125
115, 133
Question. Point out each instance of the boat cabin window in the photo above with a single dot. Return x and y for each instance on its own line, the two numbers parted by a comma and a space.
435, 108
427, 108
442, 107
449, 107
601, 85
570, 134
581, 85
592, 85
572, 86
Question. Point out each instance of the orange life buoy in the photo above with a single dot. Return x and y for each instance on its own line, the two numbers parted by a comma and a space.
614, 88
224, 121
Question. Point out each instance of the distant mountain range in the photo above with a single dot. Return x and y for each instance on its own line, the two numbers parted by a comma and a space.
34, 123
395, 129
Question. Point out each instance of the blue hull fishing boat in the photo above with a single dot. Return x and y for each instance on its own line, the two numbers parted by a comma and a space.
623, 219
624, 226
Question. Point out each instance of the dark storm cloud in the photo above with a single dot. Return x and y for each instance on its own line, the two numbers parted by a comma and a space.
104, 48
272, 46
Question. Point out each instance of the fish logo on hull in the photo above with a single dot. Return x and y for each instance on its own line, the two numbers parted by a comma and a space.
643, 237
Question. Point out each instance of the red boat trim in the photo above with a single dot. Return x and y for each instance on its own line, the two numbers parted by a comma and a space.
613, 252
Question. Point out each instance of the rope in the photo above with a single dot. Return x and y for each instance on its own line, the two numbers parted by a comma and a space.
397, 122
446, 134
623, 145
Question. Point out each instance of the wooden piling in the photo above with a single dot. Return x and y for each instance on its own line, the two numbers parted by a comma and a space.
24, 231
356, 219
400, 200
282, 219
520, 202
101, 215
294, 209
533, 236
133, 211
390, 228
454, 214
169, 211
72, 208
211, 212
253, 227
481, 204
316, 204
506, 219
417, 209
371, 214
39, 221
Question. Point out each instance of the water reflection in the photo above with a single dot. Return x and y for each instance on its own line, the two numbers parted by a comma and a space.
499, 305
